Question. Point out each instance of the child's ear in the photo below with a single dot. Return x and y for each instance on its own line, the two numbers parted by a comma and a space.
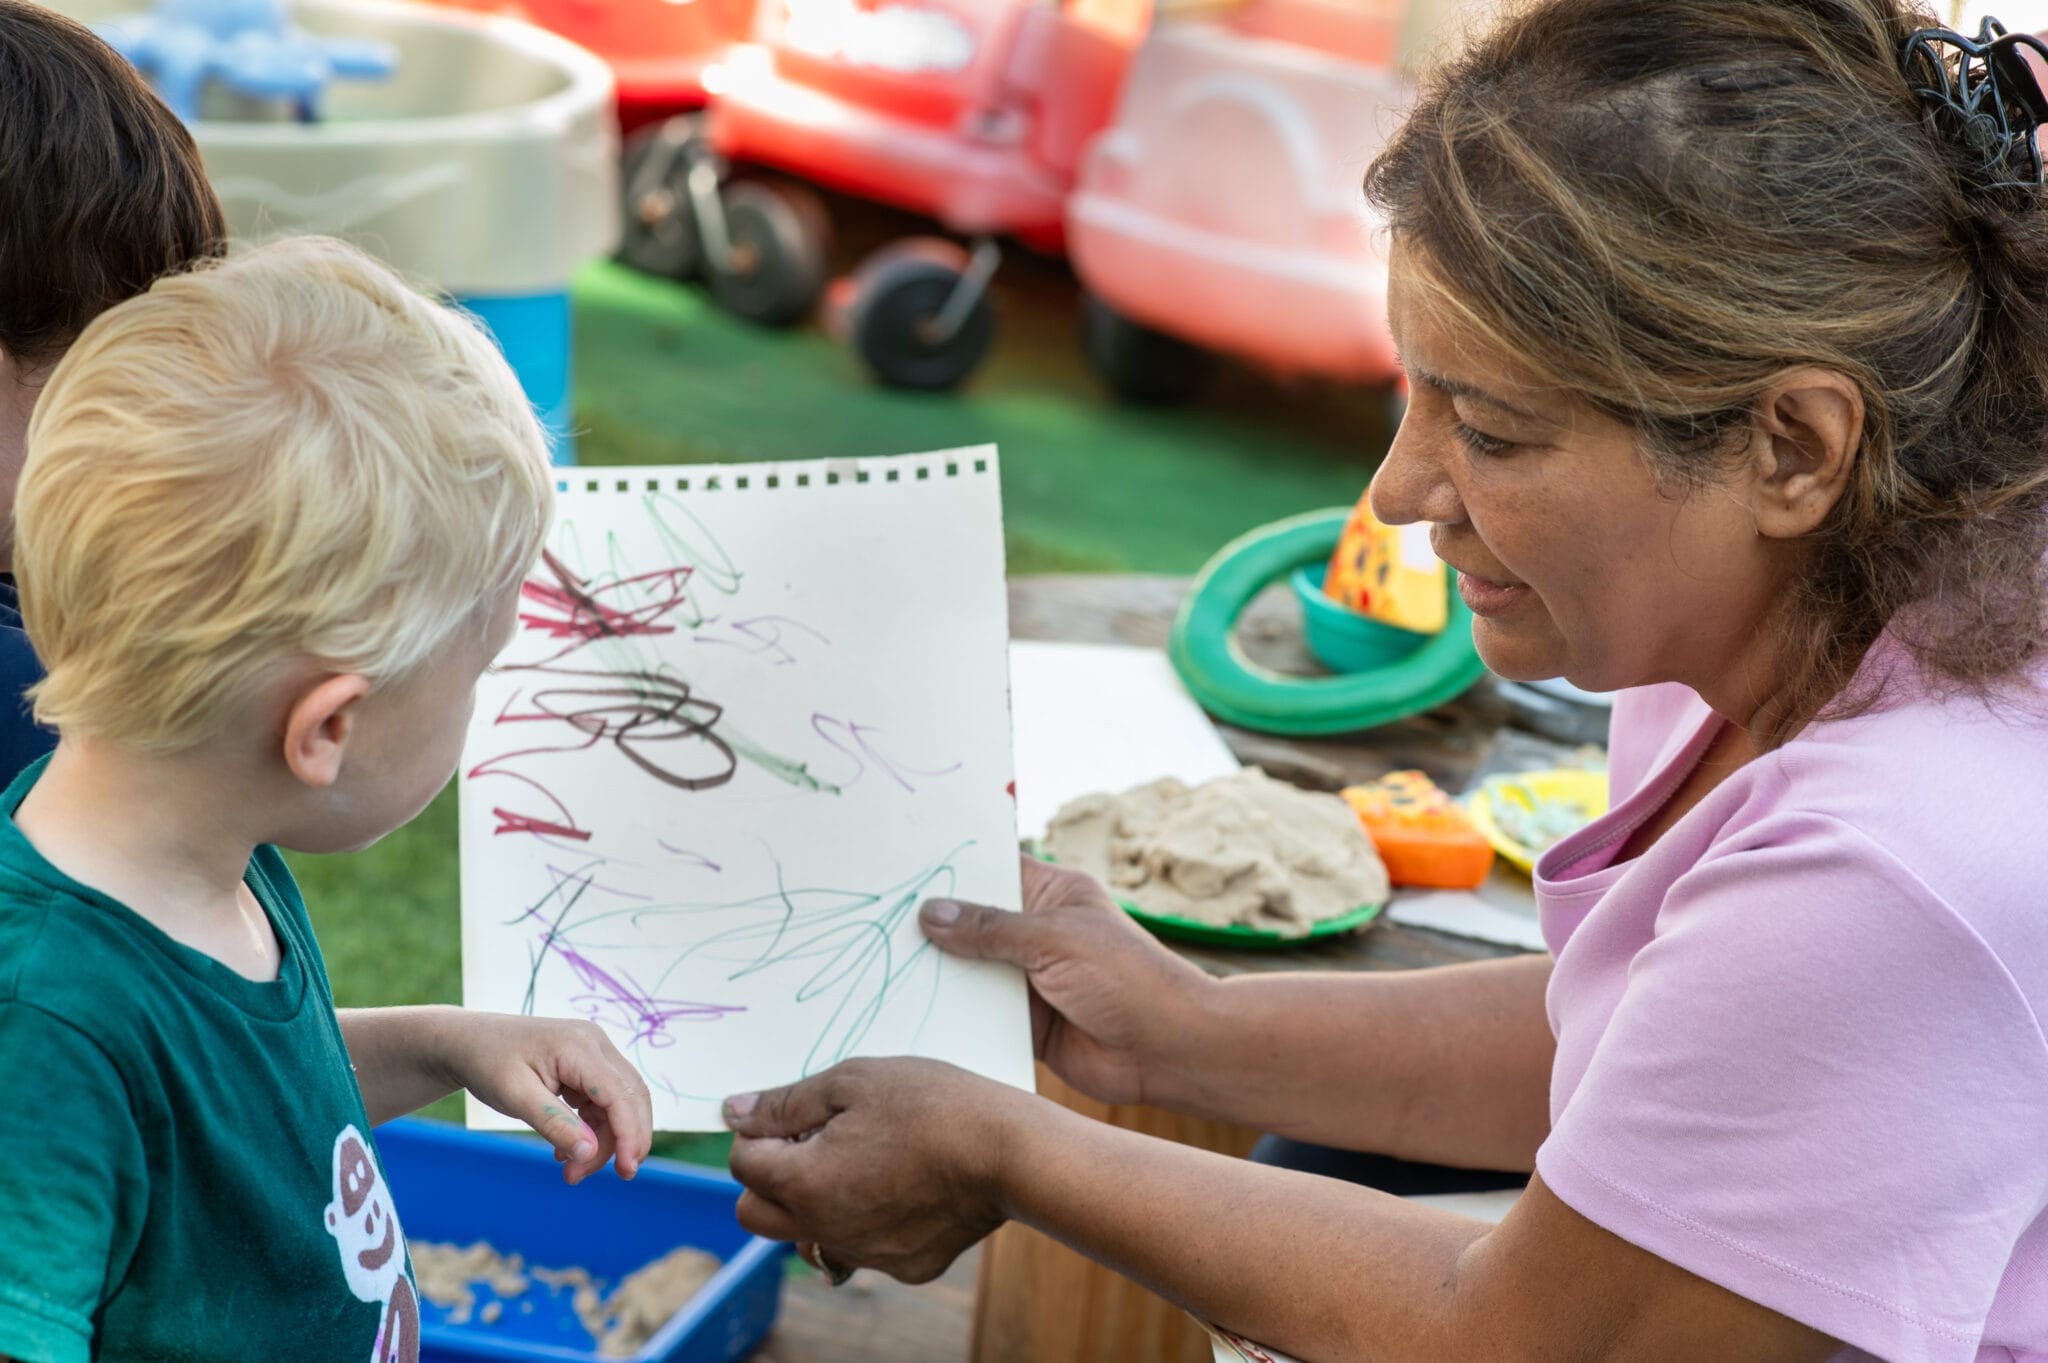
318, 726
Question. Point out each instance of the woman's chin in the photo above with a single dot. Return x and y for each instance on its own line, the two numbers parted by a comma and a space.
1511, 654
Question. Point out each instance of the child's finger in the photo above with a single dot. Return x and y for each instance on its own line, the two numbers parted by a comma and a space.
610, 1083
593, 1117
554, 1117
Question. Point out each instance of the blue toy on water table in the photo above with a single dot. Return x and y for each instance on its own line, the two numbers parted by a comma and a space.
247, 47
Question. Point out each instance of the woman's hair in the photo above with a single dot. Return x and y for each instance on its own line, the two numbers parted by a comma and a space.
102, 184
1662, 205
285, 455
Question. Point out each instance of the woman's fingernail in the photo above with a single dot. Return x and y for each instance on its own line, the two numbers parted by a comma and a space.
941, 913
740, 1104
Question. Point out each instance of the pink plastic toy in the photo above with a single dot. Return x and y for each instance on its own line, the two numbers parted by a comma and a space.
972, 112
1221, 212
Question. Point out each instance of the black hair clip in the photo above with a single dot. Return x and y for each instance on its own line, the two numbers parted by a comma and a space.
1984, 98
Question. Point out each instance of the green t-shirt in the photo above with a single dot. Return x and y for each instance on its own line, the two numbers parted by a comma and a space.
186, 1172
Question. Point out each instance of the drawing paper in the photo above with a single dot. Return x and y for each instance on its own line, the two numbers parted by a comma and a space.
753, 716
1102, 717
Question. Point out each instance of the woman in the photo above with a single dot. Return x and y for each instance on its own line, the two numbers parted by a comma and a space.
1730, 366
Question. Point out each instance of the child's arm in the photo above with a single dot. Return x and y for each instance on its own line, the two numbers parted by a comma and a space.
564, 1079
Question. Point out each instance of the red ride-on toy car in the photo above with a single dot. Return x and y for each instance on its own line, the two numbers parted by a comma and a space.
657, 49
972, 112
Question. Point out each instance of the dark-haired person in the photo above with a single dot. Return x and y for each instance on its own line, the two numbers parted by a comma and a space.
103, 193
1728, 332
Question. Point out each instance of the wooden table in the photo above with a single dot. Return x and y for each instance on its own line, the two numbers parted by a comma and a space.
1037, 1301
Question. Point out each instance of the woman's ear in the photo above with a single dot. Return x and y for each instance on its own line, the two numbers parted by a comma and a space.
318, 726
1808, 435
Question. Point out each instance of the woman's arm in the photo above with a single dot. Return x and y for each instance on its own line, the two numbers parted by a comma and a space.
1450, 1065
901, 1164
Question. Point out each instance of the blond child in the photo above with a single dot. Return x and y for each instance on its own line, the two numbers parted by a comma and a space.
270, 530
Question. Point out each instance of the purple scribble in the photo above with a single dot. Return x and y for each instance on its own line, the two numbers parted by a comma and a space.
762, 634
624, 1007
685, 854
864, 753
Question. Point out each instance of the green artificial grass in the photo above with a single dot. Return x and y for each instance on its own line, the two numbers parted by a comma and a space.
1088, 485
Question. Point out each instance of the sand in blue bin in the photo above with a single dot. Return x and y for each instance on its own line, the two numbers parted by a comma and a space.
458, 1187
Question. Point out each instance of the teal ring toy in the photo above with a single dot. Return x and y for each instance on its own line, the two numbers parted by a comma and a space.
1232, 687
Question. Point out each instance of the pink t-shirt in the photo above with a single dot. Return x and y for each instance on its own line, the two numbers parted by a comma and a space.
1799, 1047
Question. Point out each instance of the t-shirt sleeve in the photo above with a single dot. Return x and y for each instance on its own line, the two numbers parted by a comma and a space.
71, 1181
1821, 1090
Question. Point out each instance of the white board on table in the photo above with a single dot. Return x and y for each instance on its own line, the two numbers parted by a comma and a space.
1102, 717
752, 718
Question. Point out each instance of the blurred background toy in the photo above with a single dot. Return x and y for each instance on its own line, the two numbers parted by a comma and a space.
1203, 168
247, 48
658, 49
1221, 212
973, 113
483, 164
1380, 672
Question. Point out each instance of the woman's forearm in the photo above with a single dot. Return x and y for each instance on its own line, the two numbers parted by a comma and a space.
1320, 1269
1450, 1065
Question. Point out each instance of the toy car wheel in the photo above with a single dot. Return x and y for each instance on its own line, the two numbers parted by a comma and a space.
776, 267
659, 235
891, 317
1138, 363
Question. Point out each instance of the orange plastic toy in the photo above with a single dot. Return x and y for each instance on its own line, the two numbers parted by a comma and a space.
1423, 837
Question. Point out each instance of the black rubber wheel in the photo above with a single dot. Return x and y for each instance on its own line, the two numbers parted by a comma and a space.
1138, 363
659, 229
779, 235
898, 292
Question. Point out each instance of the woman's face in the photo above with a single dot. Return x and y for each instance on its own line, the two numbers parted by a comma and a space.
1573, 560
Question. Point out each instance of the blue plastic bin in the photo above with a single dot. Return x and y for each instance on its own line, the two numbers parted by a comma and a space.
533, 333
460, 1186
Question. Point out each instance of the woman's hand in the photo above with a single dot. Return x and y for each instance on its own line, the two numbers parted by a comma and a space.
1109, 1004
889, 1164
564, 1079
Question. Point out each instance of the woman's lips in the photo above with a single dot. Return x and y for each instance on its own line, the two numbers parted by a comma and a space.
1490, 598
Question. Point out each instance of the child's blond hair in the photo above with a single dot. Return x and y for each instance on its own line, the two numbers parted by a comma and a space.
286, 455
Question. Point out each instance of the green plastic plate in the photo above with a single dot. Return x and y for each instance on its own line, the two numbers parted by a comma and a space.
1209, 935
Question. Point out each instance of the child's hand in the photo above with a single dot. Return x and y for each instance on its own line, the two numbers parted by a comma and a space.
564, 1079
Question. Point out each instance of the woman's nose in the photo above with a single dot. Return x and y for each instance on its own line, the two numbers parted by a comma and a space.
1412, 483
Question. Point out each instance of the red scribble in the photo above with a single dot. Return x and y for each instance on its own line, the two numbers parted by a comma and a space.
577, 613
508, 822
630, 710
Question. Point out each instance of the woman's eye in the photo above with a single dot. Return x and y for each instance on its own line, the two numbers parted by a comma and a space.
1479, 442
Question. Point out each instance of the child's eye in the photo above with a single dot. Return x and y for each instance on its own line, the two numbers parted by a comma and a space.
1479, 442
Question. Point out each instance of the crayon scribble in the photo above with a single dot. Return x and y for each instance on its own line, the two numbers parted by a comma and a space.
637, 705
845, 954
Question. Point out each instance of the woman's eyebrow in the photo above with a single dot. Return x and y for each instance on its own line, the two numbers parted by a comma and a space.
1458, 388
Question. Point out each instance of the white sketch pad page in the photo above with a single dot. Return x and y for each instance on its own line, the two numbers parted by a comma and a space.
753, 716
